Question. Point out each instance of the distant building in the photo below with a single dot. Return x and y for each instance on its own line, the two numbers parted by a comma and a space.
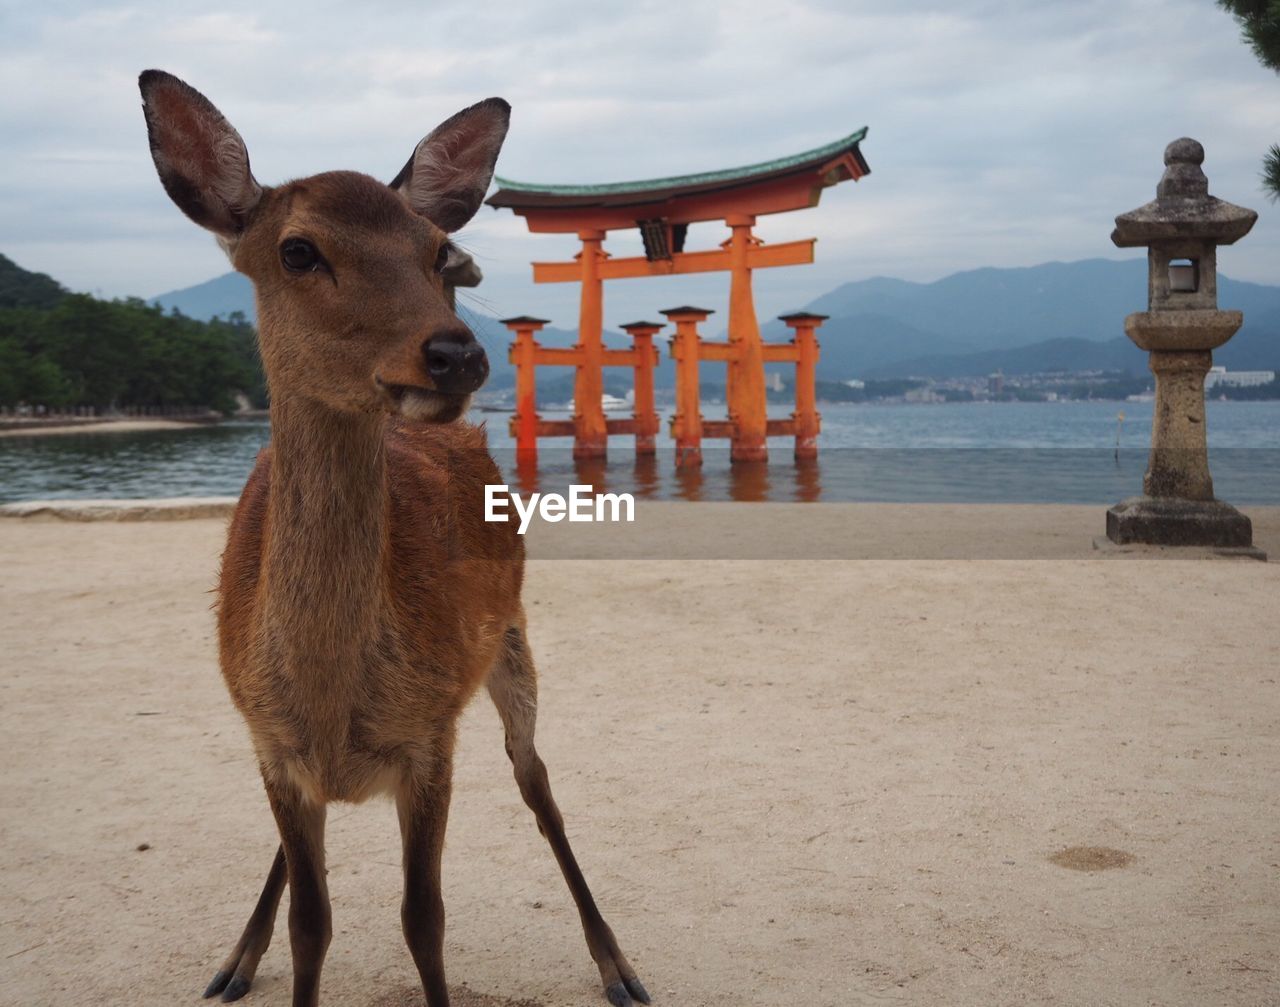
855, 383
1237, 379
995, 384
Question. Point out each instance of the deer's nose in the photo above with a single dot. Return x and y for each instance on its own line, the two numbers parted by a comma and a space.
457, 363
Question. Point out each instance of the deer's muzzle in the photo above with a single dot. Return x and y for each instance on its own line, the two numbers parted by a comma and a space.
456, 365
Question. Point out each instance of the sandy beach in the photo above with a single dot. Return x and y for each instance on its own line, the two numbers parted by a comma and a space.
93, 427
860, 781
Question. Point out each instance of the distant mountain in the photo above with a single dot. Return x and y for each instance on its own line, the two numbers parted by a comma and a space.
1253, 348
859, 344
1045, 316
214, 298
21, 288
1117, 354
1058, 315
992, 308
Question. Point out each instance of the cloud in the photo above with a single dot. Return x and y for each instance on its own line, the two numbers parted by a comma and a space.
1001, 133
215, 29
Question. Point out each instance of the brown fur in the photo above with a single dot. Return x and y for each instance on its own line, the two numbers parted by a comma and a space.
363, 599
349, 693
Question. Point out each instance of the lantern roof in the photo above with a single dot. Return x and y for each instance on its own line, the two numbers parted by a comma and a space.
1183, 208
523, 320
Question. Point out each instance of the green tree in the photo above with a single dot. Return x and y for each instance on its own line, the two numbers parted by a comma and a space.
63, 349
22, 289
26, 373
1259, 22
95, 343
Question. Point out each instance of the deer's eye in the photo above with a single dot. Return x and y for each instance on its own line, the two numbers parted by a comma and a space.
442, 257
299, 255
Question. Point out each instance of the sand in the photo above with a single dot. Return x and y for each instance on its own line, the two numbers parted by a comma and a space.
39, 429
862, 781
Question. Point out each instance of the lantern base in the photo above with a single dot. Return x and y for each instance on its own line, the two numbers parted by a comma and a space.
1171, 521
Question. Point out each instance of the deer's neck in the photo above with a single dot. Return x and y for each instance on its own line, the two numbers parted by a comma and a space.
326, 550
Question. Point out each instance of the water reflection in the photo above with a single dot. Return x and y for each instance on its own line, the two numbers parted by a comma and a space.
525, 472
808, 480
647, 481
954, 475
688, 481
654, 477
592, 472
749, 481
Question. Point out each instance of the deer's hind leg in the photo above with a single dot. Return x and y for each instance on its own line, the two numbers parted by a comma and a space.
513, 686
235, 976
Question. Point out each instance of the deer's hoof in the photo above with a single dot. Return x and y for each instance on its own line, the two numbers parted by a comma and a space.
232, 987
626, 993
217, 984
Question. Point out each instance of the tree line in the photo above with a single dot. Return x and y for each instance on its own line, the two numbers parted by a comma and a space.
61, 350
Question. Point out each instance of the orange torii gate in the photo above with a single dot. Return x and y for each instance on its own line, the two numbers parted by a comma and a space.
526, 354
662, 209
689, 350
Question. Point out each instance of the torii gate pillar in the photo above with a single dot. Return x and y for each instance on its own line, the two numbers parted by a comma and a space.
744, 383
591, 433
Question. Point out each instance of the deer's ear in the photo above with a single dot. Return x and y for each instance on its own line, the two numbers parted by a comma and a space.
446, 178
202, 161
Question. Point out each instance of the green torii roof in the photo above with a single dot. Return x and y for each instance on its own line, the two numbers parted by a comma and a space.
520, 194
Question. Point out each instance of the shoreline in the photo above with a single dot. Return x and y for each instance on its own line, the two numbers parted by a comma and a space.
718, 530
41, 428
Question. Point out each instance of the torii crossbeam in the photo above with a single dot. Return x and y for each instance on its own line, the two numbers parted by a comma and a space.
662, 209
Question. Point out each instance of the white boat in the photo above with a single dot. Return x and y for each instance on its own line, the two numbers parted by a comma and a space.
609, 403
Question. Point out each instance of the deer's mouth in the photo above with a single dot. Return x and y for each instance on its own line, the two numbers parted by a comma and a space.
426, 405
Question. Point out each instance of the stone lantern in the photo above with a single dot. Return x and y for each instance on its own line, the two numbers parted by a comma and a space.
1181, 228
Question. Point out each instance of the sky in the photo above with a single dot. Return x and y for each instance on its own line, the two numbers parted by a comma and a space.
1000, 133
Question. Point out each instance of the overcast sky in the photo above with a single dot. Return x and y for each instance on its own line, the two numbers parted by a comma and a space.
1001, 133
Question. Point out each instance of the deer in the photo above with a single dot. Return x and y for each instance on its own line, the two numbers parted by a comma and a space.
362, 598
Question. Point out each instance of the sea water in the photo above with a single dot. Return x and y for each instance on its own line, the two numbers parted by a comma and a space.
1052, 452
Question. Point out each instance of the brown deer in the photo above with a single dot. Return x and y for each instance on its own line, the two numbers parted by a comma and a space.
363, 598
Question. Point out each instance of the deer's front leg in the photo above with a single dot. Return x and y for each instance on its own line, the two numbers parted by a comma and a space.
423, 804
301, 824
